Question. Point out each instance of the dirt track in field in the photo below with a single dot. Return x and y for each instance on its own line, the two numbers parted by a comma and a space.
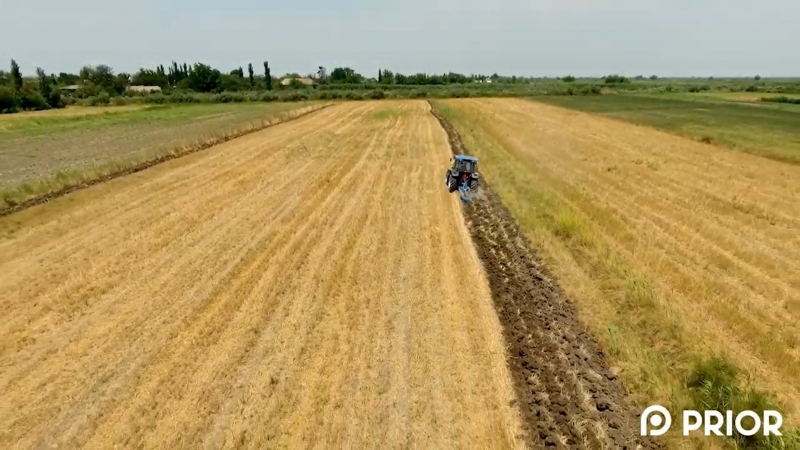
568, 395
312, 285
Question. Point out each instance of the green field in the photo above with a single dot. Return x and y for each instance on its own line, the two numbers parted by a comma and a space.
45, 151
96, 118
766, 129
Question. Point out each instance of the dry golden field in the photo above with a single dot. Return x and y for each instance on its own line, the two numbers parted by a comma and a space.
672, 249
303, 286
314, 285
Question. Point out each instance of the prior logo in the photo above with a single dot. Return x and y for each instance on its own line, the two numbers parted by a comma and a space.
712, 422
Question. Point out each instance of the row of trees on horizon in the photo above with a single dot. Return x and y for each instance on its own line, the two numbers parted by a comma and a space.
17, 93
202, 77
26, 93
44, 91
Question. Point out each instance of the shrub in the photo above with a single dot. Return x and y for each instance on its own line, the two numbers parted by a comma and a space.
591, 90
87, 90
268, 97
31, 100
158, 99
55, 100
715, 385
203, 78
781, 99
182, 97
227, 97
232, 83
612, 79
100, 99
8, 101
568, 79
752, 88
295, 97
377, 94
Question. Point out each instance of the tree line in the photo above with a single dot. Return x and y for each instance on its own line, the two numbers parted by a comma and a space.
201, 77
98, 84
45, 91
17, 93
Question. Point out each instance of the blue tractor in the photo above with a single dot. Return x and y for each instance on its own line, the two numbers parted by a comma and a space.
463, 176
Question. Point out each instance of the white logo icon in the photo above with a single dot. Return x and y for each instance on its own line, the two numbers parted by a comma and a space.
656, 416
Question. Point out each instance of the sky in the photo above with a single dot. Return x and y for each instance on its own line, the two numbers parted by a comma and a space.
508, 37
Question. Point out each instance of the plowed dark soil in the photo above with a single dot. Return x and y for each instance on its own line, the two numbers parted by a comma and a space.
568, 396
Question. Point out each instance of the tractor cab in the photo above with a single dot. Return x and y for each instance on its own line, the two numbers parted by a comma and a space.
465, 164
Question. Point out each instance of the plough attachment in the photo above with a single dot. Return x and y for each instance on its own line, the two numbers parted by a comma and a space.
466, 192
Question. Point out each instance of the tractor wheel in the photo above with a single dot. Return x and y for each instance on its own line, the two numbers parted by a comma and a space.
452, 184
473, 185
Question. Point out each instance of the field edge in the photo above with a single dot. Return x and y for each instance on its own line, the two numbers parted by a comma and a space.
27, 194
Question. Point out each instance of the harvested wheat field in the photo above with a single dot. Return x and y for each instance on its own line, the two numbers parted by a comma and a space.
310, 285
672, 249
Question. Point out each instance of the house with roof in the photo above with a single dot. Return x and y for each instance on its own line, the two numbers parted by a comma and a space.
302, 80
143, 89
